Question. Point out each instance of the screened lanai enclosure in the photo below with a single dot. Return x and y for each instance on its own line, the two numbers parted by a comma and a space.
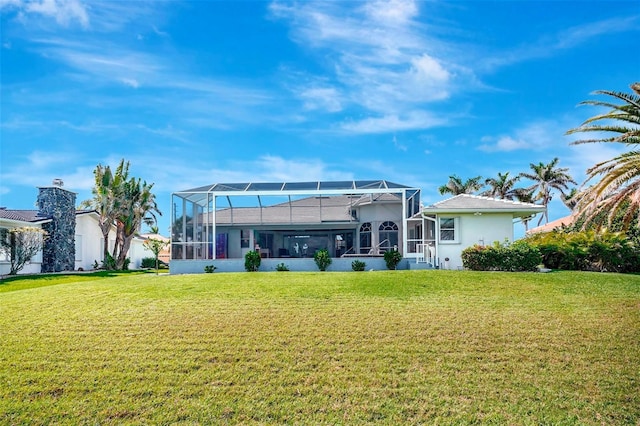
292, 220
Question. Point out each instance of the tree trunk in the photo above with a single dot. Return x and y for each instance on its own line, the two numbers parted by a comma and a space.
122, 256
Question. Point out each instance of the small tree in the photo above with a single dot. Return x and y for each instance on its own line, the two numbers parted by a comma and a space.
322, 259
252, 261
155, 246
19, 245
392, 258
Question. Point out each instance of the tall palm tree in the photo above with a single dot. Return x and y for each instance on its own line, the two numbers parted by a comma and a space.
547, 178
139, 206
617, 193
456, 186
107, 198
502, 187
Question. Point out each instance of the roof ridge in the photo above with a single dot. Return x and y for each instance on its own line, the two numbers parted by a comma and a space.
486, 198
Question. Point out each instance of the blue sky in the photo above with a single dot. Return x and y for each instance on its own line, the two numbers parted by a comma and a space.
198, 92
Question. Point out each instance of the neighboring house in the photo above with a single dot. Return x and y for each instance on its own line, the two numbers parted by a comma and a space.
10, 219
74, 240
165, 254
287, 222
563, 222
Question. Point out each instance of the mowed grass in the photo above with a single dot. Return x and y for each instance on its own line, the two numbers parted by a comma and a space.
387, 347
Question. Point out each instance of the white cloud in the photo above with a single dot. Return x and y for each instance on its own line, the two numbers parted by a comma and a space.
378, 56
64, 12
505, 144
131, 82
549, 44
411, 121
39, 168
326, 98
275, 168
393, 12
536, 135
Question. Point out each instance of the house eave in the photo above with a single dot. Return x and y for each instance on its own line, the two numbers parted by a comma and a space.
515, 212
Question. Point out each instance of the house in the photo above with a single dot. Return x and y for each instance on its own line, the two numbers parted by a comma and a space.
74, 239
287, 222
465, 220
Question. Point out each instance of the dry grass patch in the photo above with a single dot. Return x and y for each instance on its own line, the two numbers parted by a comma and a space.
324, 348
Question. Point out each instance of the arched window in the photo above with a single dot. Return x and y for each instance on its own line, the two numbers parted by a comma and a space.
388, 233
365, 238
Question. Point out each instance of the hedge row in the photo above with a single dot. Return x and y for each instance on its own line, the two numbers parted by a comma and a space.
519, 256
588, 251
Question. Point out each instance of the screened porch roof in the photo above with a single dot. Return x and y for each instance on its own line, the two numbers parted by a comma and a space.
201, 194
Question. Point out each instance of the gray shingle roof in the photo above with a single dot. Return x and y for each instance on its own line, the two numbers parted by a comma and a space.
32, 216
471, 203
309, 210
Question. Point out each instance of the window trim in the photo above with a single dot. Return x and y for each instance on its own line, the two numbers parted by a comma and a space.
455, 229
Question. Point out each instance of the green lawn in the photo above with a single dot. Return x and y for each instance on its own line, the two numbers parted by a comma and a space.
388, 347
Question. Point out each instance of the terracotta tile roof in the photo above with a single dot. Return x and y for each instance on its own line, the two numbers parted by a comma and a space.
554, 224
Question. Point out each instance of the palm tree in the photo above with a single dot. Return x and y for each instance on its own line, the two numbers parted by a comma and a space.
456, 186
546, 178
571, 198
107, 198
139, 206
525, 195
617, 193
501, 187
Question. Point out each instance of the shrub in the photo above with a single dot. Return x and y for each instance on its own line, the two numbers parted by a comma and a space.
358, 265
281, 267
252, 261
392, 258
109, 263
322, 259
209, 269
588, 250
519, 256
148, 262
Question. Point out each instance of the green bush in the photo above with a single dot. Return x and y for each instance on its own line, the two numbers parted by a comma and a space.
282, 267
148, 262
209, 269
252, 261
392, 258
109, 263
358, 265
322, 259
516, 257
588, 251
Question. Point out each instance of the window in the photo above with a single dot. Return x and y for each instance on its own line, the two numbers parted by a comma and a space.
388, 233
244, 238
365, 238
448, 230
